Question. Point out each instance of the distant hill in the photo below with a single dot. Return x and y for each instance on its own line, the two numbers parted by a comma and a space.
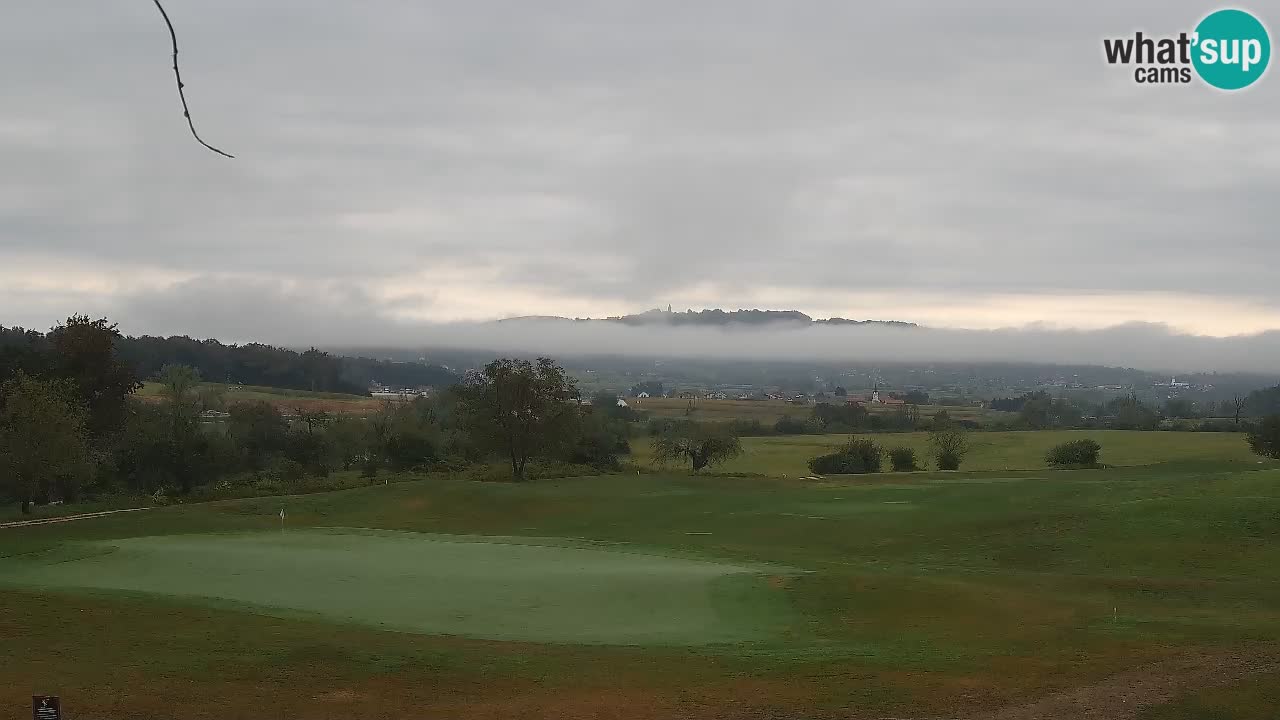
714, 318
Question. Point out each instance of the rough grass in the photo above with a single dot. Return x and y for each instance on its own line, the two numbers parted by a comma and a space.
923, 595
789, 455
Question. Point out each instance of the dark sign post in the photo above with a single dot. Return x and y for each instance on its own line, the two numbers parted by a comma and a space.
45, 707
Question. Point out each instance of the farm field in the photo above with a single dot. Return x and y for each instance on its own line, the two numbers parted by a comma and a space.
285, 399
657, 596
787, 455
769, 411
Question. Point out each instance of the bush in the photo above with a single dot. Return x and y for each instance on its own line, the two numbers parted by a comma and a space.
903, 459
859, 456
287, 472
1077, 453
949, 460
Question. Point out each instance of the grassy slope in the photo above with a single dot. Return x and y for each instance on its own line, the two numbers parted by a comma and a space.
928, 594
788, 455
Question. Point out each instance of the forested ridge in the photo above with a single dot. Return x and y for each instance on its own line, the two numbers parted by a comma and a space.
249, 364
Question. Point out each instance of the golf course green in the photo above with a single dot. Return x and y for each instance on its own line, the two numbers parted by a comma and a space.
653, 596
480, 587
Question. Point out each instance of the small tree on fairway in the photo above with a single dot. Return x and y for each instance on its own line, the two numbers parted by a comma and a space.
950, 444
521, 409
43, 440
1265, 439
702, 445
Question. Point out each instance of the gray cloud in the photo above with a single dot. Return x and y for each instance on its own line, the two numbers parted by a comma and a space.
620, 155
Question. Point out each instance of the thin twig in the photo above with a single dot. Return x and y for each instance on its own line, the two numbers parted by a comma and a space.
186, 112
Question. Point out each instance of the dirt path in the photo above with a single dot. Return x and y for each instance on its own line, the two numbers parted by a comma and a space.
66, 518
1122, 697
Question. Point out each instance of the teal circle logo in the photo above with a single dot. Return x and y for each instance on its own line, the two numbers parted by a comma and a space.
1231, 49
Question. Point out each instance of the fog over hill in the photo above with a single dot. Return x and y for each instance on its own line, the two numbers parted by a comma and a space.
260, 312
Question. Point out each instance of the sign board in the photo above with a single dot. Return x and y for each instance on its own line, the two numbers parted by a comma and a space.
45, 707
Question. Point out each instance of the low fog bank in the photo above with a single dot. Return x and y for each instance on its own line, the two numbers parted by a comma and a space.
258, 312
1148, 347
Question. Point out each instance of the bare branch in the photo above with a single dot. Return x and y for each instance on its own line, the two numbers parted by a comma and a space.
186, 112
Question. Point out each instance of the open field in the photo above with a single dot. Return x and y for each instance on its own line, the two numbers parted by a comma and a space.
658, 596
285, 399
787, 455
769, 411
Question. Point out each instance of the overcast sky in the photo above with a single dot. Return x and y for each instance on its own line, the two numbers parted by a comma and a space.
969, 165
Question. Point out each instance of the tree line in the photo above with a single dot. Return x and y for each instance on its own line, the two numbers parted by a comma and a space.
250, 364
70, 425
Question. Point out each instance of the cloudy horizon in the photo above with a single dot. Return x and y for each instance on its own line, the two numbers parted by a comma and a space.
413, 164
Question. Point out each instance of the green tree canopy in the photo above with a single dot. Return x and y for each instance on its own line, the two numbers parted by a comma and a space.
521, 409
44, 449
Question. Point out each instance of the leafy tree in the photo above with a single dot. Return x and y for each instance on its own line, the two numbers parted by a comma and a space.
521, 409
1265, 439
178, 384
606, 404
839, 418
349, 440
859, 455
259, 430
211, 397
916, 397
903, 459
950, 444
841, 392
701, 445
44, 447
1077, 453
599, 442
84, 351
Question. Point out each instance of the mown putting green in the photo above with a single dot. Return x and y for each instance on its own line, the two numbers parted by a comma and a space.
497, 588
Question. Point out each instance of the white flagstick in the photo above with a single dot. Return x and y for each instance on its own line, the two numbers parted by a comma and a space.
281, 519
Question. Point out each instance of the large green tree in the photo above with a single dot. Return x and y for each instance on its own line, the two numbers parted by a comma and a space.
84, 351
521, 409
44, 447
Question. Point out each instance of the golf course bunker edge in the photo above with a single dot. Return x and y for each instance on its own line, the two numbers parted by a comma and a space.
534, 589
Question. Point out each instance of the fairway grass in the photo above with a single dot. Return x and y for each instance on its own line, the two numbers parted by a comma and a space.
789, 454
487, 588
658, 596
